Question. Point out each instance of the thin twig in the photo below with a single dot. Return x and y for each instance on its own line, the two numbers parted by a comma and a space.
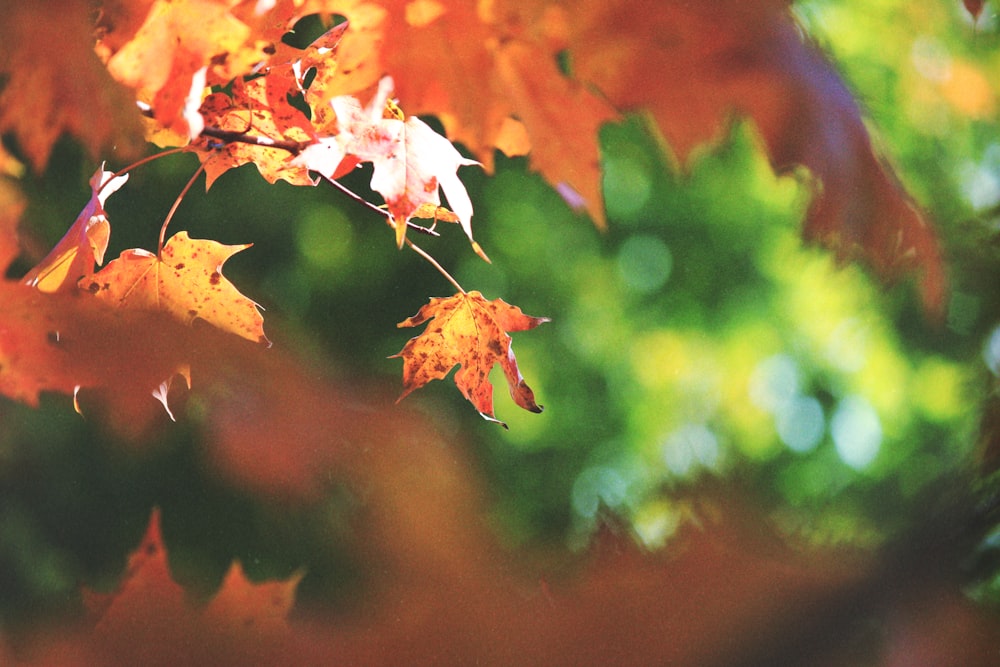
173, 209
434, 263
378, 209
233, 137
139, 163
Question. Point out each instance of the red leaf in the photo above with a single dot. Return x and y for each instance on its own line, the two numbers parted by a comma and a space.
749, 58
974, 7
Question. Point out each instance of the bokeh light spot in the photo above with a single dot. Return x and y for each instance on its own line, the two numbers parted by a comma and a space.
856, 431
644, 263
847, 345
325, 238
597, 485
690, 447
774, 382
800, 423
991, 352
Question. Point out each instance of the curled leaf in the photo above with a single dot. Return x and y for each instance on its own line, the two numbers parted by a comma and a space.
84, 244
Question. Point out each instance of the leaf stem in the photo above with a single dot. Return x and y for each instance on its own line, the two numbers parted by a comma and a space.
415, 248
378, 209
173, 209
139, 163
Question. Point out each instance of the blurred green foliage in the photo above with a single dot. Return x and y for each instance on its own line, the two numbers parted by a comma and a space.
696, 337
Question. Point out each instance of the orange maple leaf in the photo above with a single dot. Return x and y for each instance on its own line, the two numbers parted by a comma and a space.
177, 40
411, 160
149, 614
476, 67
53, 83
749, 58
471, 331
319, 58
185, 280
84, 244
258, 108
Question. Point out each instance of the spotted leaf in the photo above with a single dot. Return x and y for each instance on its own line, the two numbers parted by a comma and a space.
470, 331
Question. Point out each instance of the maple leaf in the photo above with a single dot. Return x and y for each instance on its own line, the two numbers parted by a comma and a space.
149, 614
258, 107
478, 67
175, 41
53, 83
471, 331
84, 244
411, 160
749, 58
185, 280
320, 59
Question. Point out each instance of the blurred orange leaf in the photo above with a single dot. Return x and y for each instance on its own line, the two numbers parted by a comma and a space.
470, 331
148, 618
175, 41
54, 83
749, 58
12, 205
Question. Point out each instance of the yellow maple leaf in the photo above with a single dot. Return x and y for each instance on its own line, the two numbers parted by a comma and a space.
185, 281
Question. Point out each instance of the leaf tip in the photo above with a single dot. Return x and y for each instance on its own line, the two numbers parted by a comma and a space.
491, 418
478, 249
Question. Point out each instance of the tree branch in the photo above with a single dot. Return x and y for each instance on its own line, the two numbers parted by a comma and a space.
233, 137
